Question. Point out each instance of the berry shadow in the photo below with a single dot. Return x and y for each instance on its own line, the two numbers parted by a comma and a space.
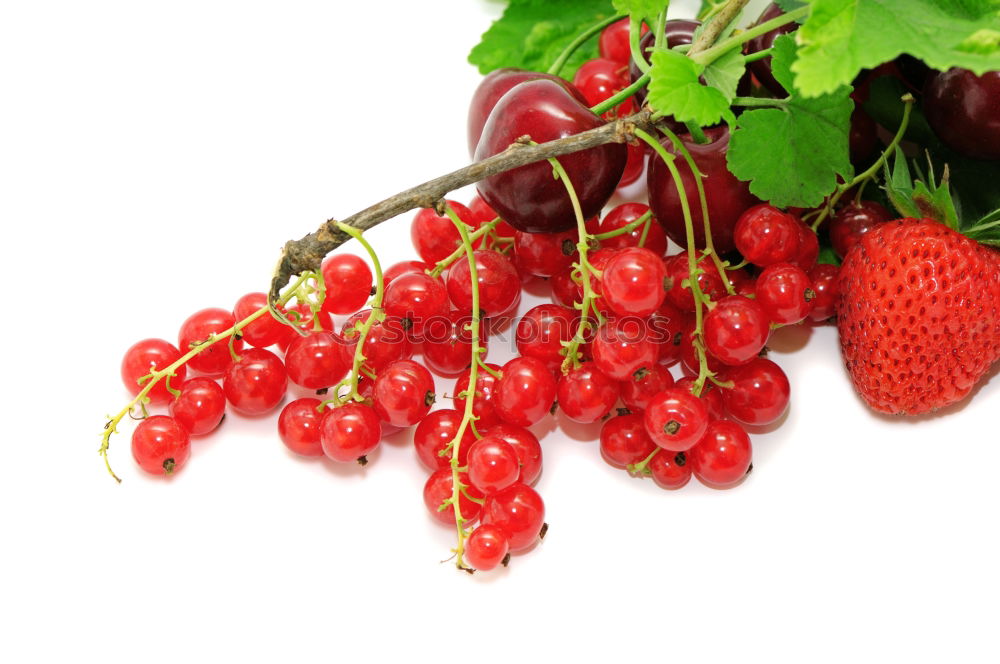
790, 338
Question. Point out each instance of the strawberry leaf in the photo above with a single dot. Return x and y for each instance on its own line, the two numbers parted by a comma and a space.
532, 33
793, 154
841, 37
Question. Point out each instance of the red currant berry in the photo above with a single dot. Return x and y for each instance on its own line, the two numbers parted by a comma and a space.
760, 393
299, 427
525, 393
200, 326
824, 280
434, 236
643, 385
350, 432
623, 346
785, 293
200, 406
264, 331
318, 360
543, 330
632, 282
808, 251
492, 464
385, 342
710, 395
401, 268
585, 394
486, 547
257, 383
721, 458
499, 285
482, 405
624, 440
709, 281
736, 329
144, 357
525, 444
765, 235
433, 435
670, 470
160, 445
348, 282
448, 344
668, 325
519, 512
675, 419
416, 298
545, 254
404, 393
625, 214
439, 489
690, 363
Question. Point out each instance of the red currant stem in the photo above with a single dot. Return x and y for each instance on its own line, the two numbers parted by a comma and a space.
473, 499
446, 262
232, 346
579, 41
627, 228
870, 172
572, 360
620, 96
377, 315
702, 54
645, 232
765, 102
154, 377
703, 201
468, 417
759, 55
488, 369
640, 468
693, 269
173, 390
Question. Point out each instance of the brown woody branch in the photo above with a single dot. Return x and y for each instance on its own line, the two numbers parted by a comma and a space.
307, 253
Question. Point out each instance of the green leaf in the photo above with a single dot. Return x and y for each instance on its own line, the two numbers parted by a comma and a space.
841, 37
827, 256
791, 5
674, 89
793, 154
640, 8
923, 197
532, 33
724, 74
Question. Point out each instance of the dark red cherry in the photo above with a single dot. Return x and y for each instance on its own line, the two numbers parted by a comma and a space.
761, 69
494, 86
727, 197
528, 197
964, 111
852, 221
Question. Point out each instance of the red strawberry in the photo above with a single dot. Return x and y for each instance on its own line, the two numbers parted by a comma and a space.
919, 315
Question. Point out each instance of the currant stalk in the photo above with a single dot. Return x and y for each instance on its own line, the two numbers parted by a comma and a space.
377, 315
468, 418
693, 270
628, 228
572, 360
154, 377
445, 263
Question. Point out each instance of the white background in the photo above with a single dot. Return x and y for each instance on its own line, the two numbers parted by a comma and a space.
153, 160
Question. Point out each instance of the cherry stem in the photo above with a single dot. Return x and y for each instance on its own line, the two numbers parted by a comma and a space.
702, 54
696, 132
634, 37
907, 100
572, 349
693, 270
757, 55
620, 96
377, 315
468, 416
703, 201
579, 41
154, 377
446, 262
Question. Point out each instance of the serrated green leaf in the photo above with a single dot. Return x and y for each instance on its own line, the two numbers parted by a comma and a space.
921, 197
674, 89
532, 34
792, 155
841, 37
640, 8
724, 74
790, 5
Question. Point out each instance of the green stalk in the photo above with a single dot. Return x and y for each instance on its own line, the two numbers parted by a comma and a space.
444, 263
627, 228
620, 96
468, 417
579, 41
710, 55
